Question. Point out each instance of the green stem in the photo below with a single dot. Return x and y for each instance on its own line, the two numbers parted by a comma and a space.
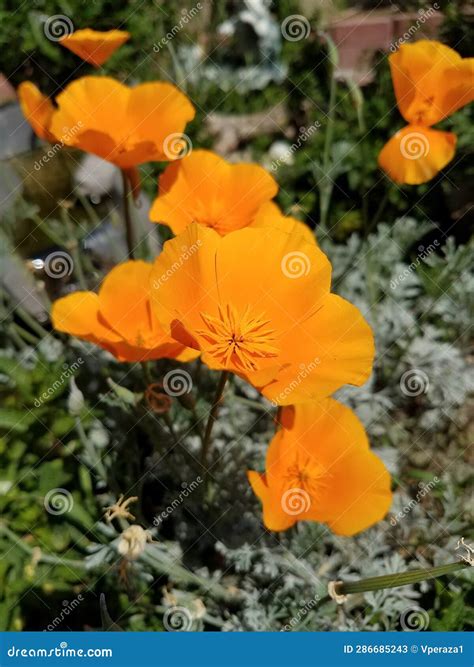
325, 186
396, 580
206, 443
44, 558
127, 215
73, 247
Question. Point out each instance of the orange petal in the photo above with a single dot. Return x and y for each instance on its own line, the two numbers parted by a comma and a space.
258, 273
37, 109
127, 126
269, 215
125, 304
202, 187
78, 315
415, 154
431, 81
331, 348
158, 112
323, 470
93, 46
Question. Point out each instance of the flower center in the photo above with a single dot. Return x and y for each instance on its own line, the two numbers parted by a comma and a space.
239, 341
307, 476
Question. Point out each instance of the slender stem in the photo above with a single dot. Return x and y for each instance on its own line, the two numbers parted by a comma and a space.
398, 579
206, 443
127, 215
43, 558
325, 187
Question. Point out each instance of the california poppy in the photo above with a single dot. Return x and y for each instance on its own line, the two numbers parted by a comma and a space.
257, 303
431, 82
37, 109
319, 468
94, 46
119, 317
126, 126
203, 187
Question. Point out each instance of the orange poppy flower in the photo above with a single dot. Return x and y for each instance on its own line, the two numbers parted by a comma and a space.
37, 109
257, 302
126, 126
431, 82
319, 468
269, 215
203, 187
94, 46
119, 317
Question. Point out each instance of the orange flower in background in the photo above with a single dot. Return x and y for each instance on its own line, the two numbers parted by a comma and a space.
269, 215
203, 187
119, 317
94, 46
126, 126
431, 82
257, 302
319, 468
37, 109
